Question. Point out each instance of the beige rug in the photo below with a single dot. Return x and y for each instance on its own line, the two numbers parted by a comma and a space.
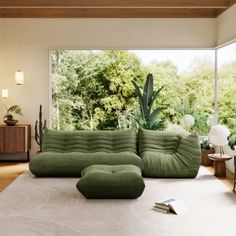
53, 206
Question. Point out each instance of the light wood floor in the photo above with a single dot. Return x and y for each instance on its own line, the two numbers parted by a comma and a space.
229, 177
9, 171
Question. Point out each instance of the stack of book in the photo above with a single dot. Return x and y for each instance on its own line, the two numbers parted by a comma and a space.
170, 206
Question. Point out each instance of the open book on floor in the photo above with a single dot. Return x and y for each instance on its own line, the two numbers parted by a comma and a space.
171, 206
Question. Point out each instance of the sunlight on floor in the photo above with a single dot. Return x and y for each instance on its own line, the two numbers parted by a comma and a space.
9, 171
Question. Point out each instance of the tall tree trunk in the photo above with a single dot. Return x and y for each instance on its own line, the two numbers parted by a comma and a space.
91, 119
119, 120
58, 115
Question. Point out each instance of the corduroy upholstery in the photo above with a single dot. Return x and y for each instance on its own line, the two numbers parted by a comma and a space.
89, 141
117, 181
66, 154
168, 154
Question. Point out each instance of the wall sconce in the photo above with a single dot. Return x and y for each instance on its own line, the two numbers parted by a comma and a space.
19, 77
4, 93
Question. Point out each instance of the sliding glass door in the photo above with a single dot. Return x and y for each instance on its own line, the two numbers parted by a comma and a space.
227, 86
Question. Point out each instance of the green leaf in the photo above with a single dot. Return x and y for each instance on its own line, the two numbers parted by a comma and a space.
140, 97
148, 90
15, 109
154, 114
154, 96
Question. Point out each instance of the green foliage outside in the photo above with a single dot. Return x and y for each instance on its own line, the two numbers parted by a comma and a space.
93, 90
227, 96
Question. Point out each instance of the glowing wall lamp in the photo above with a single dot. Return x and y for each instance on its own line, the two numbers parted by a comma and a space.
19, 77
4, 93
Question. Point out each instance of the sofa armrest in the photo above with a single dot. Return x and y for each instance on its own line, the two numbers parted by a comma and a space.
189, 150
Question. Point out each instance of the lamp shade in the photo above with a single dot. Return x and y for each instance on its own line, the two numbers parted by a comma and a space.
218, 135
19, 77
4, 93
188, 121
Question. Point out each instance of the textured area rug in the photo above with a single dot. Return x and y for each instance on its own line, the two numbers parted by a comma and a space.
53, 206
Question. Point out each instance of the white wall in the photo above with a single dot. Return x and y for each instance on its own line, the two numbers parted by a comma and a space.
226, 29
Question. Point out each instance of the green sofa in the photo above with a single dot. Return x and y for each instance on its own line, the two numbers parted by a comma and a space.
66, 154
160, 154
169, 154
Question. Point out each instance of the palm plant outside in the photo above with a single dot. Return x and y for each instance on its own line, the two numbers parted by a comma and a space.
148, 117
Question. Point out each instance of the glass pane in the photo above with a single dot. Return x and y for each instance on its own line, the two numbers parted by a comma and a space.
92, 89
227, 86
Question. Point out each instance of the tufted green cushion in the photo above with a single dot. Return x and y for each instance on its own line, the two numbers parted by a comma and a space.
66, 154
158, 141
103, 181
169, 154
89, 141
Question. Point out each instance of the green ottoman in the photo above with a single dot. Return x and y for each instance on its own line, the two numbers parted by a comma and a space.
111, 182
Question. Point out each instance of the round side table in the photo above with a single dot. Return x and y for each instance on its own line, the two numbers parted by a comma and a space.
219, 163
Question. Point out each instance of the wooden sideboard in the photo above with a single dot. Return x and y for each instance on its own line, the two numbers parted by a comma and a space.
15, 142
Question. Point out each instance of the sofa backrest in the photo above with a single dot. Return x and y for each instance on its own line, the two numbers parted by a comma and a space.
89, 141
158, 141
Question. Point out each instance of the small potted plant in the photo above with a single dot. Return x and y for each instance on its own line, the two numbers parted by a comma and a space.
15, 109
232, 142
207, 149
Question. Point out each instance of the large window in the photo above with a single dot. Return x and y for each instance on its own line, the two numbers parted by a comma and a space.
227, 86
92, 89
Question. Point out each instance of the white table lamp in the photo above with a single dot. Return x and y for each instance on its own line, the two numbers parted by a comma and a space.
218, 136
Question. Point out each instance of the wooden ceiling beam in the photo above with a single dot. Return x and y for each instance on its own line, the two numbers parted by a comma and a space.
106, 13
113, 8
116, 3
220, 11
231, 2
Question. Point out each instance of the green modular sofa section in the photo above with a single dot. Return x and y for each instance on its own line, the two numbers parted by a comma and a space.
67, 153
169, 154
